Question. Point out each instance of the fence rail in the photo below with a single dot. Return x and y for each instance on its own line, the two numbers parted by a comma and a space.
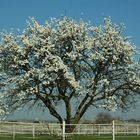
33, 129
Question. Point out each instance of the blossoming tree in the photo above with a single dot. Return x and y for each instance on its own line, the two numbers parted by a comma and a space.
70, 64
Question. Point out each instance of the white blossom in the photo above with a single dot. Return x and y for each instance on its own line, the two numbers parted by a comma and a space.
65, 58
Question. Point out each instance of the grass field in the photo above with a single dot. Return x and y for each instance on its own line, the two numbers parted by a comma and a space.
73, 138
106, 138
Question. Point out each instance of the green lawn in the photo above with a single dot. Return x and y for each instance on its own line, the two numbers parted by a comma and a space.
106, 138
30, 138
73, 138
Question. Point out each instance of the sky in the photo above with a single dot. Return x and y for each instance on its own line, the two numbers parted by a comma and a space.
15, 13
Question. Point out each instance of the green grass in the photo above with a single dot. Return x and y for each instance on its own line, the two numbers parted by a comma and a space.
30, 138
105, 138
72, 138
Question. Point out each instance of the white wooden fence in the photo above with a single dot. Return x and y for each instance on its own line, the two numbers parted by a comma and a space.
34, 129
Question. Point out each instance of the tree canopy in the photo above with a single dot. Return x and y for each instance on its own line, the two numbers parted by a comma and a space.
71, 63
103, 118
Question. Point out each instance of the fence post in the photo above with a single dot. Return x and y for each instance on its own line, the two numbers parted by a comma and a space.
99, 129
33, 131
14, 131
79, 127
127, 129
92, 129
137, 129
63, 131
113, 130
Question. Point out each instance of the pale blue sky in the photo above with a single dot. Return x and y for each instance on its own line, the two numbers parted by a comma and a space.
14, 13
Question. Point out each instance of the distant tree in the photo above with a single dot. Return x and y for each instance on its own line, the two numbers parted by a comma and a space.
103, 117
71, 64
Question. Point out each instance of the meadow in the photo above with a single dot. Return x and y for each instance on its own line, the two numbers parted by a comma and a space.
71, 138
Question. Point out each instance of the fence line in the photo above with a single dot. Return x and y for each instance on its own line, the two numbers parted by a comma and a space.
34, 129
